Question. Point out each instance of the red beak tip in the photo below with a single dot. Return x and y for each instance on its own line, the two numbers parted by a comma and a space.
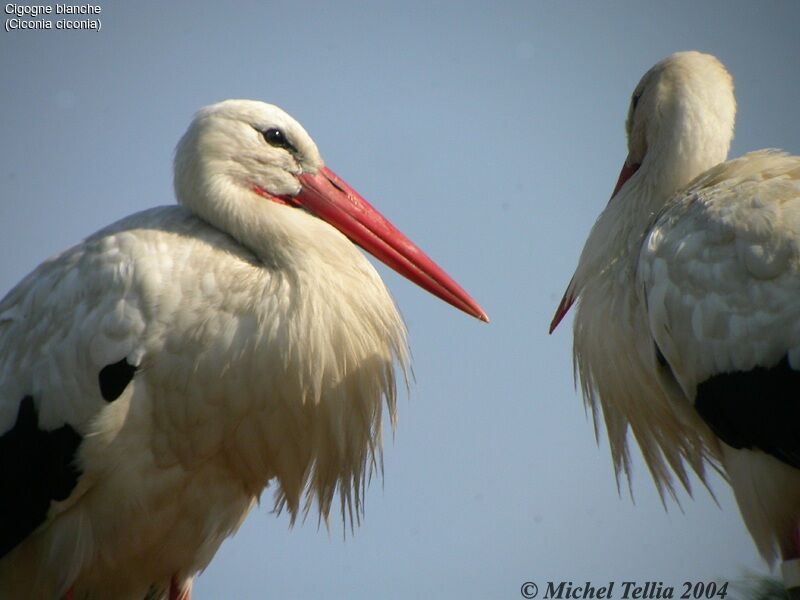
563, 309
329, 198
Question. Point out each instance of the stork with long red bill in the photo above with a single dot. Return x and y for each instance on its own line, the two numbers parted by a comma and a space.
157, 376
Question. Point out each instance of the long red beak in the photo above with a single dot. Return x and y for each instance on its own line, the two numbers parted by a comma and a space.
329, 198
568, 299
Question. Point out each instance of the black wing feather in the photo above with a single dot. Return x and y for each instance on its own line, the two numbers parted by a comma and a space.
757, 409
36, 467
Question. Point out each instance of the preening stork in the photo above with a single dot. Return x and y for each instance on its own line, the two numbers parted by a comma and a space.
155, 378
687, 330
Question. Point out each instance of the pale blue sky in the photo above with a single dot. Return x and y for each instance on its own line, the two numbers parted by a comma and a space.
491, 134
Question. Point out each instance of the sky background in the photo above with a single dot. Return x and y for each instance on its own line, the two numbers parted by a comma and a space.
492, 135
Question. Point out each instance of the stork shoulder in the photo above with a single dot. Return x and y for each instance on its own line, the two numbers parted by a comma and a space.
75, 333
89, 307
720, 269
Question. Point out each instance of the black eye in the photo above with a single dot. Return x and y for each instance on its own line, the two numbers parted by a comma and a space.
635, 100
276, 137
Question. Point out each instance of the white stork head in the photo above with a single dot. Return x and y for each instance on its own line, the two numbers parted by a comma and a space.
245, 143
681, 117
244, 165
680, 124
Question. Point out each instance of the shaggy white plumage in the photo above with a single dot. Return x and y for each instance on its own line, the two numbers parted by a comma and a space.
264, 346
698, 259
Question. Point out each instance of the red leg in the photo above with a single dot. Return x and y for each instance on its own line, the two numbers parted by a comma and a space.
180, 591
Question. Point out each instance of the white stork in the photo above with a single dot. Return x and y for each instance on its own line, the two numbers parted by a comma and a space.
157, 376
688, 327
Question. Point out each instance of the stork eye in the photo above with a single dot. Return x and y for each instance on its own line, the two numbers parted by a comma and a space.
276, 137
